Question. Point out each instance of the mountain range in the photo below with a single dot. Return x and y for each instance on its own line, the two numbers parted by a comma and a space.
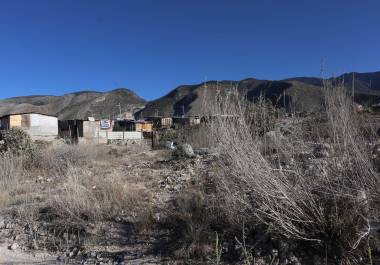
299, 93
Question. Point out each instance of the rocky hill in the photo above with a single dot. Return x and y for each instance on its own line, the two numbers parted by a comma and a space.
301, 93
79, 105
364, 82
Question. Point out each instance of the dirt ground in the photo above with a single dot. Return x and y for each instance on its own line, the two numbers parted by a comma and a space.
113, 241
19, 257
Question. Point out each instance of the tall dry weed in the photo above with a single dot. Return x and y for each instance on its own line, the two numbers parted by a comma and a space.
324, 201
11, 174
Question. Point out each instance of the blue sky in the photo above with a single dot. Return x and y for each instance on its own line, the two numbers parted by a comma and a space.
152, 46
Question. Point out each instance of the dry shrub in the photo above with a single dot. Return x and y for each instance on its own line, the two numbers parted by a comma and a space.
324, 203
56, 160
19, 142
11, 173
87, 197
262, 116
16, 141
190, 221
11, 170
195, 135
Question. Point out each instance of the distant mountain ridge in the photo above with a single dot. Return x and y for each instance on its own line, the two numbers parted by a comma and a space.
77, 105
301, 93
298, 93
363, 81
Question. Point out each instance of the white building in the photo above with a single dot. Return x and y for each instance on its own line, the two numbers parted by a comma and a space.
38, 126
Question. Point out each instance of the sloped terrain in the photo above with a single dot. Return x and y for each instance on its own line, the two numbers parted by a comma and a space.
296, 94
79, 105
190, 100
301, 93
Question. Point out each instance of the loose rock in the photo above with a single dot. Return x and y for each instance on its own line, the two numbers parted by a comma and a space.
184, 150
14, 246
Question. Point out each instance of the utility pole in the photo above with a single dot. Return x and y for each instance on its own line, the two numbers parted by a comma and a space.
353, 87
321, 73
119, 105
183, 110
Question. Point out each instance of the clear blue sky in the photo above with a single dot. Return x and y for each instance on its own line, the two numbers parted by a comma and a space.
152, 46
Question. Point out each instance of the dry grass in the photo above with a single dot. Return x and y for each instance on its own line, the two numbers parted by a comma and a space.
11, 174
76, 183
85, 197
190, 222
323, 202
56, 159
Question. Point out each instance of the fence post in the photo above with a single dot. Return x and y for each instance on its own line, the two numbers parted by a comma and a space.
153, 139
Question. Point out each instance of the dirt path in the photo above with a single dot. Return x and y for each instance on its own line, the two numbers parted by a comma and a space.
18, 257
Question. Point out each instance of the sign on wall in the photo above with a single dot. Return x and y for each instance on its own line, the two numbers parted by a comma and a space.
105, 124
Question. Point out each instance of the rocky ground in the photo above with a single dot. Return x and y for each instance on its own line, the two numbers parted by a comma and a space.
139, 233
115, 241
17, 256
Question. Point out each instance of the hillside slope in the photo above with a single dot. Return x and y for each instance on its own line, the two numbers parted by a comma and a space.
364, 82
191, 99
79, 105
301, 93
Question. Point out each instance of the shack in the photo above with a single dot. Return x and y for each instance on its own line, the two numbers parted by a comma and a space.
39, 126
160, 122
144, 126
78, 128
134, 126
187, 120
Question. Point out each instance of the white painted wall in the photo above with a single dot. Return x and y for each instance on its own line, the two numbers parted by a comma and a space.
42, 126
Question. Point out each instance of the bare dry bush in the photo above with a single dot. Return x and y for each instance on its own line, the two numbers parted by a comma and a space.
189, 220
324, 202
11, 173
195, 135
86, 197
11, 170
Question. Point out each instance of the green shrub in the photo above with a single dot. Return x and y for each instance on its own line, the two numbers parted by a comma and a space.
17, 141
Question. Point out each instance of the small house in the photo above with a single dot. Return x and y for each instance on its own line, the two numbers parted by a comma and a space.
124, 125
187, 120
39, 126
133, 126
78, 128
160, 122
143, 126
